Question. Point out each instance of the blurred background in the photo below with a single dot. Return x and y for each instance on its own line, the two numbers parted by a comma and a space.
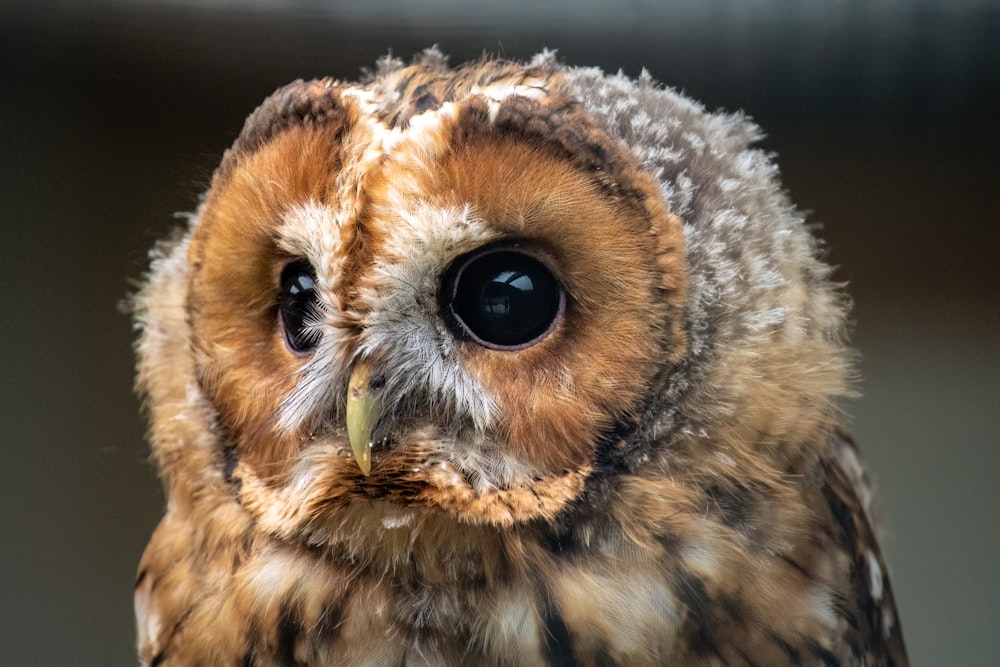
884, 118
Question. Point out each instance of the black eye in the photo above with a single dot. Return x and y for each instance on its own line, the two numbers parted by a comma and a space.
503, 298
297, 306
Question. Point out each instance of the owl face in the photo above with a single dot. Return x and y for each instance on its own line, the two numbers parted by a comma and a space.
502, 364
500, 280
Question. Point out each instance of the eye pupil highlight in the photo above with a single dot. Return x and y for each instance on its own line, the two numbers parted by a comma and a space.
503, 298
297, 305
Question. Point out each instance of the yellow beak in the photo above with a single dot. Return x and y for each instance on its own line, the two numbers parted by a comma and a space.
364, 410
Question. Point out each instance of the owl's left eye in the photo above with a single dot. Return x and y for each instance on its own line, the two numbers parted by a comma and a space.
503, 298
297, 306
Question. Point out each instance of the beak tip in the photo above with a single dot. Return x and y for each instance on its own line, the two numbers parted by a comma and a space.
364, 461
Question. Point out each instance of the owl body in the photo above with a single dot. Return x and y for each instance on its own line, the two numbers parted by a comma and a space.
501, 365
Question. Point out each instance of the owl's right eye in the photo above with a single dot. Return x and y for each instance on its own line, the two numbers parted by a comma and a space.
297, 306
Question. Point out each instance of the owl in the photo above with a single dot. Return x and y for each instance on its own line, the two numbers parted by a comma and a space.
502, 364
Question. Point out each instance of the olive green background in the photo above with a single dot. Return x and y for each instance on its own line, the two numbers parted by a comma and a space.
884, 117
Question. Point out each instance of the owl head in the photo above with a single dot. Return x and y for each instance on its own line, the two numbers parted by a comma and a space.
480, 296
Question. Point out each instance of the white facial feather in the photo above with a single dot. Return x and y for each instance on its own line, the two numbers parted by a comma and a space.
401, 311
